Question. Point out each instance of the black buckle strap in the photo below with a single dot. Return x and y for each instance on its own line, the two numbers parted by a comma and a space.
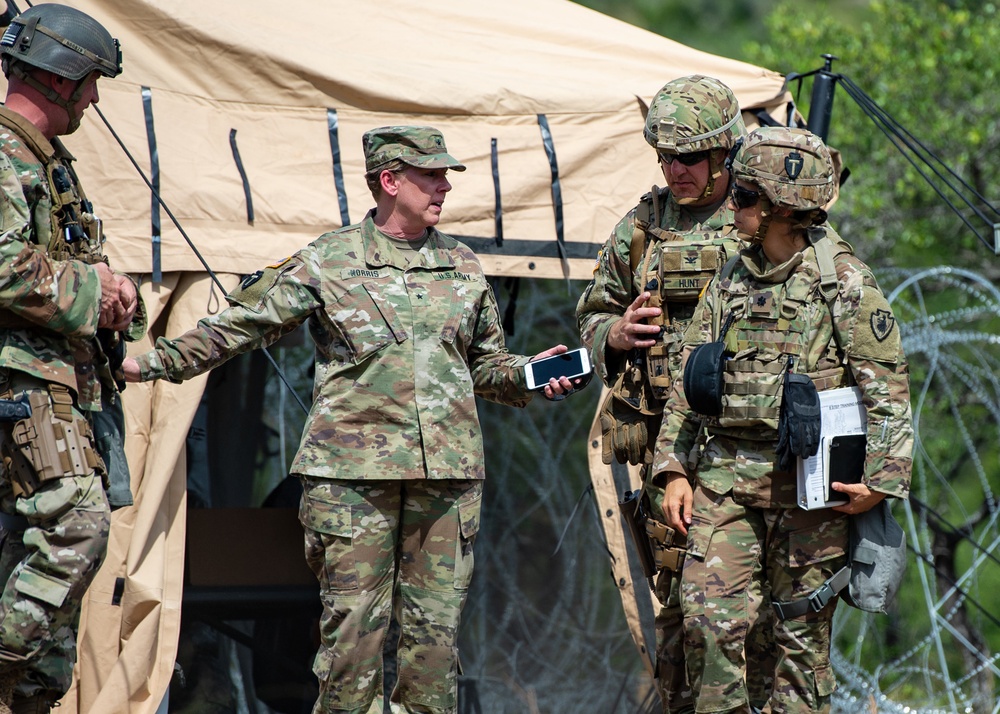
817, 599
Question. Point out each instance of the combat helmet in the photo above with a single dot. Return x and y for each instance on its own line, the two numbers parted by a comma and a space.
793, 167
61, 40
64, 41
692, 114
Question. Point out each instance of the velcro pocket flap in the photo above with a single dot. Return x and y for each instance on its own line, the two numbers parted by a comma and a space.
40, 586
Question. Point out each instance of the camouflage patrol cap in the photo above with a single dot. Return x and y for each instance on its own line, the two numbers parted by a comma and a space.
792, 166
420, 146
61, 40
694, 113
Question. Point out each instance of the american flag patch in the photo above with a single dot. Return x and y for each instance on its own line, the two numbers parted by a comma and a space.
10, 35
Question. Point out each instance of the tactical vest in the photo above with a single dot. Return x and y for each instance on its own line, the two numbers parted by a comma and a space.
675, 268
773, 323
61, 219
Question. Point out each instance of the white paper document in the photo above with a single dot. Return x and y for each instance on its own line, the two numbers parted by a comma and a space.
842, 414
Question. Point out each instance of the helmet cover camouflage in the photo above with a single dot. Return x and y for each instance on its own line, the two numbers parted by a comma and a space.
61, 40
420, 146
694, 113
792, 166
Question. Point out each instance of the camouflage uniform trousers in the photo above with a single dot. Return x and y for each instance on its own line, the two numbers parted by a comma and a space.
379, 547
734, 552
47, 568
671, 675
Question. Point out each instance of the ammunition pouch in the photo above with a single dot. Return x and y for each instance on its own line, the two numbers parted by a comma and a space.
751, 391
684, 269
54, 442
630, 420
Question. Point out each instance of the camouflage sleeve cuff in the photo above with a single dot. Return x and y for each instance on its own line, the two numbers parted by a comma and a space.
607, 369
137, 328
892, 479
150, 366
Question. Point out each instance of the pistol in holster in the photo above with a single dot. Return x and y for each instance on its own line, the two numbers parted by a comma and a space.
51, 442
668, 546
635, 510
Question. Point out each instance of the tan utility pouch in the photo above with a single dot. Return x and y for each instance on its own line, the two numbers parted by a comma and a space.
685, 268
54, 442
669, 546
630, 420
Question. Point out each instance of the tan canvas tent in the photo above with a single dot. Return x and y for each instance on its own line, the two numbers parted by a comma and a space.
247, 116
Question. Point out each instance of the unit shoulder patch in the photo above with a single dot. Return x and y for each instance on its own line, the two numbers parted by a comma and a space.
876, 333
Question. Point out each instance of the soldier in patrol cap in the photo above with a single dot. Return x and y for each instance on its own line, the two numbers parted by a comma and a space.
797, 315
646, 284
407, 335
61, 313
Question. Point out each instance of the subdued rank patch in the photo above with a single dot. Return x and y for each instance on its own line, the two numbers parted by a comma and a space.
882, 323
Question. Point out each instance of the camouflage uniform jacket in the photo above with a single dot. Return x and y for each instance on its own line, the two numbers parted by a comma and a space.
615, 285
401, 351
778, 312
49, 309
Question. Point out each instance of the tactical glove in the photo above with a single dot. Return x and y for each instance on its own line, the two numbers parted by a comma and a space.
799, 423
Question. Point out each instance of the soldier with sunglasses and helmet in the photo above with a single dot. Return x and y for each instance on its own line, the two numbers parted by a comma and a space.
646, 284
795, 315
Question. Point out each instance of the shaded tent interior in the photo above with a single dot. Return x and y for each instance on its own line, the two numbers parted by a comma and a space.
249, 126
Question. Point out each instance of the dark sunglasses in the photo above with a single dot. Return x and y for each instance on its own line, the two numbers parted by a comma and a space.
695, 157
744, 197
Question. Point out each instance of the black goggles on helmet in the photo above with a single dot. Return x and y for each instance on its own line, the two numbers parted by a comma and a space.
690, 159
744, 197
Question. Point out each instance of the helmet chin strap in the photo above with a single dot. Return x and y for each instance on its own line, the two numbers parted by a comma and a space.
74, 117
766, 216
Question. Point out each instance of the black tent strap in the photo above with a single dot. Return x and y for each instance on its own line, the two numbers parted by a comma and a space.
531, 248
332, 125
557, 202
154, 172
498, 204
243, 174
190, 243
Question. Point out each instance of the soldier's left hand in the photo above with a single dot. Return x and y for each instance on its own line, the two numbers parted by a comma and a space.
558, 389
862, 497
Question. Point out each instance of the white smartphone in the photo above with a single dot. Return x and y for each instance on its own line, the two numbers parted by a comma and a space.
572, 364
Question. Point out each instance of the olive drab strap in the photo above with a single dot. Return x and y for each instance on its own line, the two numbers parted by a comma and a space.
826, 254
642, 222
724, 274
